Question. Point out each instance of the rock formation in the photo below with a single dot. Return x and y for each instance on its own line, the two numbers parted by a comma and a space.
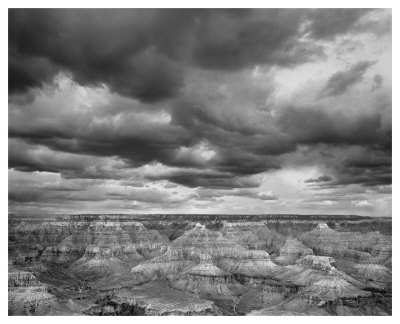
252, 235
257, 265
210, 282
26, 294
154, 298
292, 250
185, 252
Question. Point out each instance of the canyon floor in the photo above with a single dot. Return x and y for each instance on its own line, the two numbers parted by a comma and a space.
199, 265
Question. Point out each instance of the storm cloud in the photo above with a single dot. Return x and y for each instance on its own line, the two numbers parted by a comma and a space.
156, 108
142, 53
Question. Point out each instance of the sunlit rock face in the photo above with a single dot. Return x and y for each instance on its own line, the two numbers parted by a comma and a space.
186, 251
169, 263
152, 299
372, 274
31, 240
208, 281
200, 240
110, 250
252, 235
355, 245
292, 250
363, 255
382, 250
75, 242
310, 270
115, 265
323, 290
26, 294
251, 267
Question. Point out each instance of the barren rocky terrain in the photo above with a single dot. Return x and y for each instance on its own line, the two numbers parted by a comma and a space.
199, 265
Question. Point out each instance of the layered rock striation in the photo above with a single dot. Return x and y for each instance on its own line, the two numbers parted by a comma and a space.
291, 251
26, 294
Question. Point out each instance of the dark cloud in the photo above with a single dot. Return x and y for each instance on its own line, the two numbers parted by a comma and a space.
142, 53
21, 196
213, 179
61, 194
339, 82
313, 125
28, 72
228, 41
360, 166
124, 49
188, 98
28, 158
328, 23
368, 168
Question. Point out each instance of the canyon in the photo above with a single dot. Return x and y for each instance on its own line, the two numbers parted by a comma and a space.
153, 265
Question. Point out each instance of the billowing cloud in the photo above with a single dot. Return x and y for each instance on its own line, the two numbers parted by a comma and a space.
184, 109
139, 53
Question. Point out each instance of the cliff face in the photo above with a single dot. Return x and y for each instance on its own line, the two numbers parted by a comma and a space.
185, 252
292, 250
324, 238
68, 242
115, 265
249, 267
152, 299
26, 294
357, 254
252, 235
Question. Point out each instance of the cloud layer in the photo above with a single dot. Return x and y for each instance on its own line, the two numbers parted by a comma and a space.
191, 110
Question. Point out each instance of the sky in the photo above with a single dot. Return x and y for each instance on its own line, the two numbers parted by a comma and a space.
254, 111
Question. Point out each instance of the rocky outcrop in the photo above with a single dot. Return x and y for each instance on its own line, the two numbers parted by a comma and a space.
113, 249
185, 252
61, 242
152, 299
320, 280
208, 281
318, 262
67, 251
361, 255
252, 235
382, 251
326, 241
294, 306
66, 263
349, 248
171, 262
292, 250
250, 267
332, 287
373, 275
300, 306
26, 294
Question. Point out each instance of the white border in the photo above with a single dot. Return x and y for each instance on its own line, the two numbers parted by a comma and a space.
191, 4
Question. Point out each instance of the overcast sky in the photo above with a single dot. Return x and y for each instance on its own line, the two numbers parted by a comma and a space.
200, 111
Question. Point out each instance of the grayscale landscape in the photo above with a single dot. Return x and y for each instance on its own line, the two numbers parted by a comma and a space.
227, 162
175, 265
